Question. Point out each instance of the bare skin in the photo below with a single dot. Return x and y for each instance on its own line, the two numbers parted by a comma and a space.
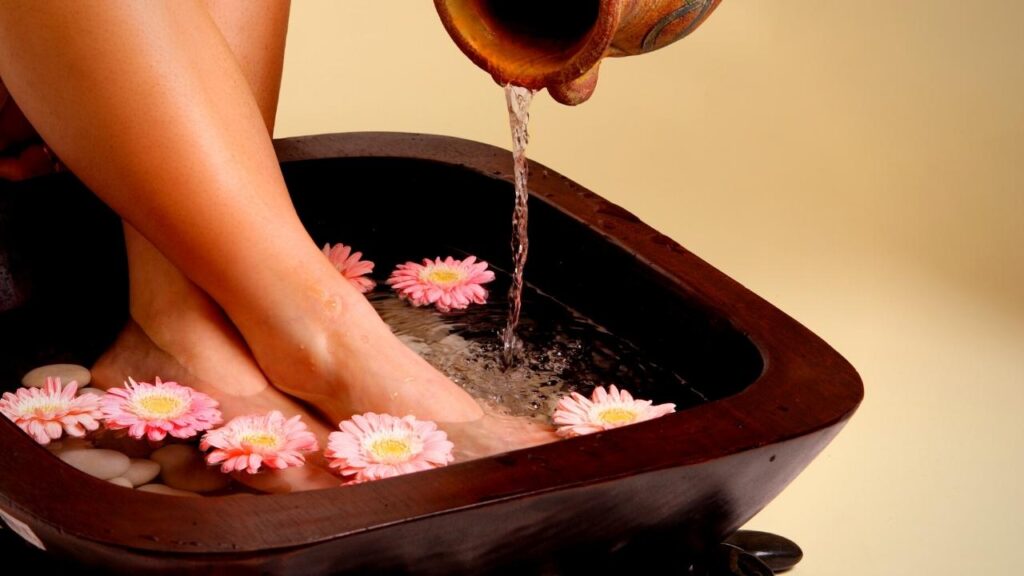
219, 211
177, 332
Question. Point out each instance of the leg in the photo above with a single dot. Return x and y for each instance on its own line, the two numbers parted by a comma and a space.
196, 338
226, 219
178, 333
196, 344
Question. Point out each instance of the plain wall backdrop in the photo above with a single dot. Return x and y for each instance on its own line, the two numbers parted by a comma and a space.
858, 164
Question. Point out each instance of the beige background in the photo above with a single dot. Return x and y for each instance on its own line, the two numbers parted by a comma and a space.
859, 164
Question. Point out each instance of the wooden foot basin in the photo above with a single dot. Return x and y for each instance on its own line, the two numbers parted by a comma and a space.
776, 394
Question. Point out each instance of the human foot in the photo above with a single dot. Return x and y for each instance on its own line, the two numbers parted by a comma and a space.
235, 383
494, 433
349, 363
179, 334
333, 351
200, 358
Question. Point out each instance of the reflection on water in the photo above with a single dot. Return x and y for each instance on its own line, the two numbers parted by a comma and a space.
561, 352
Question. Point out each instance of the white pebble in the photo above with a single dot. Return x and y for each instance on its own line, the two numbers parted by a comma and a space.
36, 378
121, 481
183, 467
162, 489
103, 464
142, 471
69, 443
173, 455
95, 391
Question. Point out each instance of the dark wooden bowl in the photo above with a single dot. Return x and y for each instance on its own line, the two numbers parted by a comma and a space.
776, 393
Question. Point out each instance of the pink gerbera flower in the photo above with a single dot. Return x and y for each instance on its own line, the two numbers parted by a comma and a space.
351, 266
374, 446
156, 410
449, 284
248, 442
606, 409
44, 413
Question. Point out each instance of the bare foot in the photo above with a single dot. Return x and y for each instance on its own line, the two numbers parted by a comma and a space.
179, 334
230, 377
345, 360
201, 357
333, 351
494, 433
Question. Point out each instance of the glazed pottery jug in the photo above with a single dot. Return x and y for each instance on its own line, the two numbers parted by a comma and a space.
559, 44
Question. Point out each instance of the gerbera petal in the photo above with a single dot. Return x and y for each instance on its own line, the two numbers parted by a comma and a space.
251, 442
46, 413
350, 265
606, 409
447, 283
373, 446
157, 409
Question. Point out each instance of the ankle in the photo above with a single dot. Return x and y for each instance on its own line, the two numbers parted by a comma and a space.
172, 307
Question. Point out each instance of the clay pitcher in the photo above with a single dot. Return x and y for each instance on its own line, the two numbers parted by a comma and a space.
559, 44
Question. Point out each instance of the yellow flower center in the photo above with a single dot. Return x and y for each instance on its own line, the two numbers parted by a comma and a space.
160, 405
391, 450
260, 440
444, 276
40, 410
616, 416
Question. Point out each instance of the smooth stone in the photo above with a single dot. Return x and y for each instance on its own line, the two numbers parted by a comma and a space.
167, 490
69, 443
183, 467
90, 390
103, 464
120, 441
776, 552
142, 471
122, 482
173, 455
729, 560
36, 378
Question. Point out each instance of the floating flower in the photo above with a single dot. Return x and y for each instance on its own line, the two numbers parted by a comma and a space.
248, 442
156, 410
351, 266
449, 284
44, 413
606, 409
374, 446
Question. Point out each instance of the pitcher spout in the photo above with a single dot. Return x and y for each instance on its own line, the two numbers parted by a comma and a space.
576, 91
536, 44
559, 44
